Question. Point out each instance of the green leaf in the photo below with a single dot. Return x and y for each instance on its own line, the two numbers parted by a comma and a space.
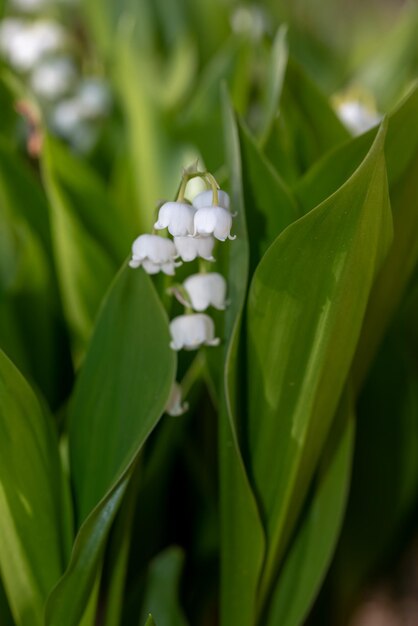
269, 204
119, 398
401, 151
150, 621
306, 127
316, 536
274, 82
162, 589
389, 399
316, 275
35, 528
242, 539
85, 266
28, 291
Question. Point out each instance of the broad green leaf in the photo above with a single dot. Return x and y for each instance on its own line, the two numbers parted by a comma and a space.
315, 277
85, 267
242, 540
30, 332
162, 589
387, 468
119, 397
150, 621
311, 549
34, 517
269, 204
306, 126
120, 394
401, 151
324, 178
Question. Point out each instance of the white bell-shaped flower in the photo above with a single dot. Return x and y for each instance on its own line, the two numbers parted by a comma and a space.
177, 217
191, 331
357, 117
206, 290
154, 253
52, 78
214, 221
175, 406
189, 248
205, 199
94, 97
28, 46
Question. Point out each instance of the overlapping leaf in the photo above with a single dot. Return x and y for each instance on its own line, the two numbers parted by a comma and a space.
35, 522
120, 395
242, 540
306, 306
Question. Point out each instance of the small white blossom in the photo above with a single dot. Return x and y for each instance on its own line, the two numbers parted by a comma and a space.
191, 331
94, 97
29, 6
10, 27
154, 253
189, 248
52, 78
205, 199
175, 406
27, 46
214, 221
357, 117
177, 217
206, 290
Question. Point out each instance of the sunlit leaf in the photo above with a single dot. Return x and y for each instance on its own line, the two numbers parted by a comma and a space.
120, 395
313, 279
35, 527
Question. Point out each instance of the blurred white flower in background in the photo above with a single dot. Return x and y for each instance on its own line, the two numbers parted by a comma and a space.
29, 6
94, 97
25, 44
53, 77
357, 116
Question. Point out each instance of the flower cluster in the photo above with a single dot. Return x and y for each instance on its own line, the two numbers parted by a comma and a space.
41, 51
195, 228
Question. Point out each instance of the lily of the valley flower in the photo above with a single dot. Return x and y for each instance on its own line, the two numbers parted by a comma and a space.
154, 254
357, 117
189, 248
26, 46
205, 199
214, 221
175, 406
206, 290
191, 331
52, 78
177, 217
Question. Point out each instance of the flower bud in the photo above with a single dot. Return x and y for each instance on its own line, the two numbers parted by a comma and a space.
175, 406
